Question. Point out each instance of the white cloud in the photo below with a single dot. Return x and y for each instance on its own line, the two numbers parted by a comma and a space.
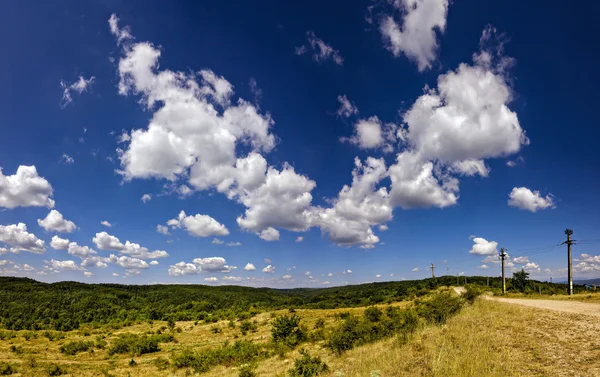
307, 273
95, 261
211, 279
182, 268
122, 34
320, 50
471, 168
416, 35
378, 276
287, 277
346, 108
79, 86
416, 269
371, 133
106, 223
105, 241
213, 264
146, 198
128, 263
88, 274
513, 163
115, 274
383, 227
233, 244
483, 267
249, 267
236, 279
299, 239
531, 266
521, 260
163, 229
347, 272
270, 234
330, 274
269, 269
548, 271
17, 237
58, 243
56, 222
199, 225
25, 189
66, 159
65, 265
268, 261
80, 251
481, 246
154, 263
524, 198
217, 241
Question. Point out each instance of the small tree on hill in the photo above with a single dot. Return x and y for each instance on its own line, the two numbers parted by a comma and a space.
520, 280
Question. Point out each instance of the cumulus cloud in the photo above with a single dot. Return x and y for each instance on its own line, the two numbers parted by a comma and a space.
146, 198
65, 265
199, 225
106, 223
299, 239
270, 234
233, 244
235, 279
481, 246
378, 276
320, 50
249, 267
163, 229
213, 264
532, 267
25, 189
269, 269
122, 34
56, 222
79, 86
521, 260
416, 269
18, 239
58, 243
347, 108
182, 268
415, 36
105, 241
217, 241
128, 263
211, 279
483, 267
524, 198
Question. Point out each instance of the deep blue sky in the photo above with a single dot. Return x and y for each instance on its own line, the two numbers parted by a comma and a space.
553, 82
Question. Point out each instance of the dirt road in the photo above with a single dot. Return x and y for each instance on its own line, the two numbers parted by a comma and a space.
573, 307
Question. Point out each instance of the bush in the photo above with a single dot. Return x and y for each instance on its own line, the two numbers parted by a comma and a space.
138, 345
470, 294
287, 329
161, 363
241, 352
320, 323
55, 370
246, 326
6, 369
215, 329
373, 314
307, 366
73, 348
439, 308
247, 371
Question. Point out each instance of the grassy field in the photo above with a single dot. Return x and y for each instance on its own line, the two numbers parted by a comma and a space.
485, 339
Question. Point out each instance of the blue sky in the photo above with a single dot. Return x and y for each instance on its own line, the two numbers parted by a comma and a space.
387, 136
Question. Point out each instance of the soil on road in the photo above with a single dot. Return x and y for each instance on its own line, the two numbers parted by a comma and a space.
572, 307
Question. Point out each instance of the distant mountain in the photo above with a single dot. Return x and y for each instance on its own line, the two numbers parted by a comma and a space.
582, 282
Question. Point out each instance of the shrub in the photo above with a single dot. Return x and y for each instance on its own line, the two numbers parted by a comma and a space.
246, 326
247, 371
373, 314
132, 363
138, 345
241, 352
439, 308
6, 369
55, 370
287, 329
470, 294
161, 363
307, 366
73, 348
320, 324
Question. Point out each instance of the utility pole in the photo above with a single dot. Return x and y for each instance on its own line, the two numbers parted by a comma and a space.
432, 271
503, 257
569, 242
488, 284
457, 282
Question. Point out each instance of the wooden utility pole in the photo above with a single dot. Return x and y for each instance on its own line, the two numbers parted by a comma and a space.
569, 242
432, 271
503, 257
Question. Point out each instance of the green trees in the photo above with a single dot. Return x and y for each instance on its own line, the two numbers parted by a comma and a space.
520, 280
286, 329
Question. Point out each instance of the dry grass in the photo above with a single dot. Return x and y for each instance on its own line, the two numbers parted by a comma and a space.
487, 339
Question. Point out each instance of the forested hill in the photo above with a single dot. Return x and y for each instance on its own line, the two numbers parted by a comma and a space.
29, 304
